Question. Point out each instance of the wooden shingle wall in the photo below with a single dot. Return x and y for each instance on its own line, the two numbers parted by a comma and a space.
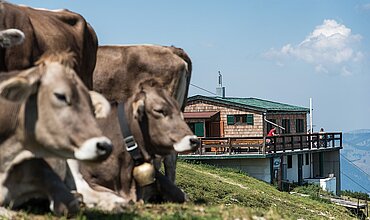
237, 130
292, 117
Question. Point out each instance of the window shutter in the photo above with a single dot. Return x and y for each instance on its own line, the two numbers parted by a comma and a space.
299, 125
249, 119
230, 120
297, 129
199, 129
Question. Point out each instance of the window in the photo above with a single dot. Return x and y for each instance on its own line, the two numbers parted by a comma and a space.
250, 119
299, 126
290, 161
230, 120
240, 119
197, 128
286, 124
307, 159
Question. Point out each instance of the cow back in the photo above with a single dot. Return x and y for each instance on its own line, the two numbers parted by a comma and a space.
48, 31
120, 69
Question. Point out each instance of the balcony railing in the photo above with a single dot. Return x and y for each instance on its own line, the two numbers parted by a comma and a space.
269, 145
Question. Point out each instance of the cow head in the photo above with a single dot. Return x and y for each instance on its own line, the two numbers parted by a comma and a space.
161, 121
57, 111
11, 37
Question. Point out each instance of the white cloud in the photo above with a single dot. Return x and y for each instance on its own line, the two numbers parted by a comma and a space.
329, 44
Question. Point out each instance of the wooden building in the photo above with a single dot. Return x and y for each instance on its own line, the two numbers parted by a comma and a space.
236, 117
234, 131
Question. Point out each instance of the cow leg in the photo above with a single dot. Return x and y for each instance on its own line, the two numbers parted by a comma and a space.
163, 190
35, 179
168, 190
169, 163
95, 196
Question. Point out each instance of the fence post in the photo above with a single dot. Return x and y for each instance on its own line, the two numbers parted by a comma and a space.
318, 141
230, 146
201, 147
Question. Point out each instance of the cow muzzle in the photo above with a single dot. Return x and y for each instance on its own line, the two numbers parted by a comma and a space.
98, 148
188, 143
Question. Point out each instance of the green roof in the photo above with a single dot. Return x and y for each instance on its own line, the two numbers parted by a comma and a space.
252, 103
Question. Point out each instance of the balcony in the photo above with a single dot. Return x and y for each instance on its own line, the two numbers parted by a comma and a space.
269, 145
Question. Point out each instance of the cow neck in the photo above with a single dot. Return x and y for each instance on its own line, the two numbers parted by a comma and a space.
30, 118
131, 145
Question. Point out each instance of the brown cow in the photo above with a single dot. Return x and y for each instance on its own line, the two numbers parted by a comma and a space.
146, 78
46, 110
46, 30
119, 67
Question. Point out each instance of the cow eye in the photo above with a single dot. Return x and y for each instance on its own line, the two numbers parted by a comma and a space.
160, 112
62, 97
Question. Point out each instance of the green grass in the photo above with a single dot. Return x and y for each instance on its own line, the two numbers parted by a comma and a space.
216, 193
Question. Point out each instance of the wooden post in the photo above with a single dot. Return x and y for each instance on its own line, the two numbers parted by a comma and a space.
333, 140
318, 141
222, 134
358, 205
230, 145
264, 133
201, 147
367, 207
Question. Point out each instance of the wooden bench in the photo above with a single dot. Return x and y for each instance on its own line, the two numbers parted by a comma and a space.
215, 146
247, 145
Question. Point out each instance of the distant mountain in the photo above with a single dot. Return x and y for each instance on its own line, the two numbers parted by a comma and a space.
355, 160
353, 179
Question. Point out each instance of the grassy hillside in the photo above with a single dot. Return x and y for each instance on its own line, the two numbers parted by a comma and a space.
216, 193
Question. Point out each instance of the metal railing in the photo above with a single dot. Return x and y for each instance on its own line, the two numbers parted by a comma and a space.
268, 145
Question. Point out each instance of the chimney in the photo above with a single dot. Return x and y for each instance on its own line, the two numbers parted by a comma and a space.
220, 90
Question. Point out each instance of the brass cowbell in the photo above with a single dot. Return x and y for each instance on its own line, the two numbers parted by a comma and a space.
144, 174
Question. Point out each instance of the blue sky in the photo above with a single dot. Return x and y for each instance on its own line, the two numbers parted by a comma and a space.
285, 51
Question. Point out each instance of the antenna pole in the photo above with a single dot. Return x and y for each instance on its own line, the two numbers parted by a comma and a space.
311, 125
219, 79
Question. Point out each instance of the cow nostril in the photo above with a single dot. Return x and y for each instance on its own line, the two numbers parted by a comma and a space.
104, 148
194, 143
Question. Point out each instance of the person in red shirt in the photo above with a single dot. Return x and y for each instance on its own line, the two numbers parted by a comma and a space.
271, 132
269, 141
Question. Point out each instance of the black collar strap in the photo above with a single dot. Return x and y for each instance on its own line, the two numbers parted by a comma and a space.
131, 145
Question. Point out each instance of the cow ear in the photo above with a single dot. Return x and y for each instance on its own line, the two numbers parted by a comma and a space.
101, 105
11, 37
138, 107
18, 88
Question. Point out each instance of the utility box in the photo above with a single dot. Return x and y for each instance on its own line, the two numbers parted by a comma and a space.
327, 184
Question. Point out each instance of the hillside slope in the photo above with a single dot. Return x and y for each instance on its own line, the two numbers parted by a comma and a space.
216, 193
208, 185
